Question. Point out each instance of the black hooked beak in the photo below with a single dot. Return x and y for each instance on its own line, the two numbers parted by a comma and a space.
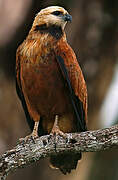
67, 17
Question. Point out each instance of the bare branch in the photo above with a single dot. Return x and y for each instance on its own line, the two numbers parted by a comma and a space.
33, 150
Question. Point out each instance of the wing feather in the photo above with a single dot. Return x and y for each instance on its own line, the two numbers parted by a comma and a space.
74, 100
20, 93
74, 79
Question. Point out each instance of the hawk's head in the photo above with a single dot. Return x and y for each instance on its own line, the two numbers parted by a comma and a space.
53, 15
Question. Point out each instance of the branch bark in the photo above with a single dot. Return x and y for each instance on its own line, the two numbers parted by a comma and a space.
33, 150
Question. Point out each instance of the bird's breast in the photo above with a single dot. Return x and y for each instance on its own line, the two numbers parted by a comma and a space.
46, 92
44, 86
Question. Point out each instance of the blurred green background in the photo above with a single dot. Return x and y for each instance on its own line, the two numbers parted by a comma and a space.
93, 34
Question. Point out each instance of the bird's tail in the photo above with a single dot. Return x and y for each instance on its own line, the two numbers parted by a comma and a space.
65, 162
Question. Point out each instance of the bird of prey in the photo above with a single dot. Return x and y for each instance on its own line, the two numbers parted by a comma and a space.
50, 83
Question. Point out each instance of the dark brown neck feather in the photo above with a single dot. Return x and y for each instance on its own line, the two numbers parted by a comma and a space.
53, 30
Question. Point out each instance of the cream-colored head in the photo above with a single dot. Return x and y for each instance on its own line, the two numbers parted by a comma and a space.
53, 15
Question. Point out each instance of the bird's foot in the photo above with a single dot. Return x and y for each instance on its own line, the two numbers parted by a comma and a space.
29, 137
55, 130
33, 135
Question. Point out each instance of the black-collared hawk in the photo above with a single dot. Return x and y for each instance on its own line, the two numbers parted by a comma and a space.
50, 83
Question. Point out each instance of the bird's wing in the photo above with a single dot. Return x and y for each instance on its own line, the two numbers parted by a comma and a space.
74, 79
19, 89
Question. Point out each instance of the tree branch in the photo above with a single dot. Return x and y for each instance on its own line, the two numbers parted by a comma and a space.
35, 149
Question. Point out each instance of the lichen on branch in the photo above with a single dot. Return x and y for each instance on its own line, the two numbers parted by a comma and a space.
32, 150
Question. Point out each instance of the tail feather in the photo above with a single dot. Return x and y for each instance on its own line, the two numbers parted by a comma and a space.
65, 162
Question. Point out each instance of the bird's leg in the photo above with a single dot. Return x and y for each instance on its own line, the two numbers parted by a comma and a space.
55, 130
35, 130
34, 133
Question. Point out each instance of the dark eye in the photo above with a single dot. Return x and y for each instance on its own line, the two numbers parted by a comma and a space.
57, 13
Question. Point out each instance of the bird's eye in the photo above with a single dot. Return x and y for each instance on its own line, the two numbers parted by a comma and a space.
57, 13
